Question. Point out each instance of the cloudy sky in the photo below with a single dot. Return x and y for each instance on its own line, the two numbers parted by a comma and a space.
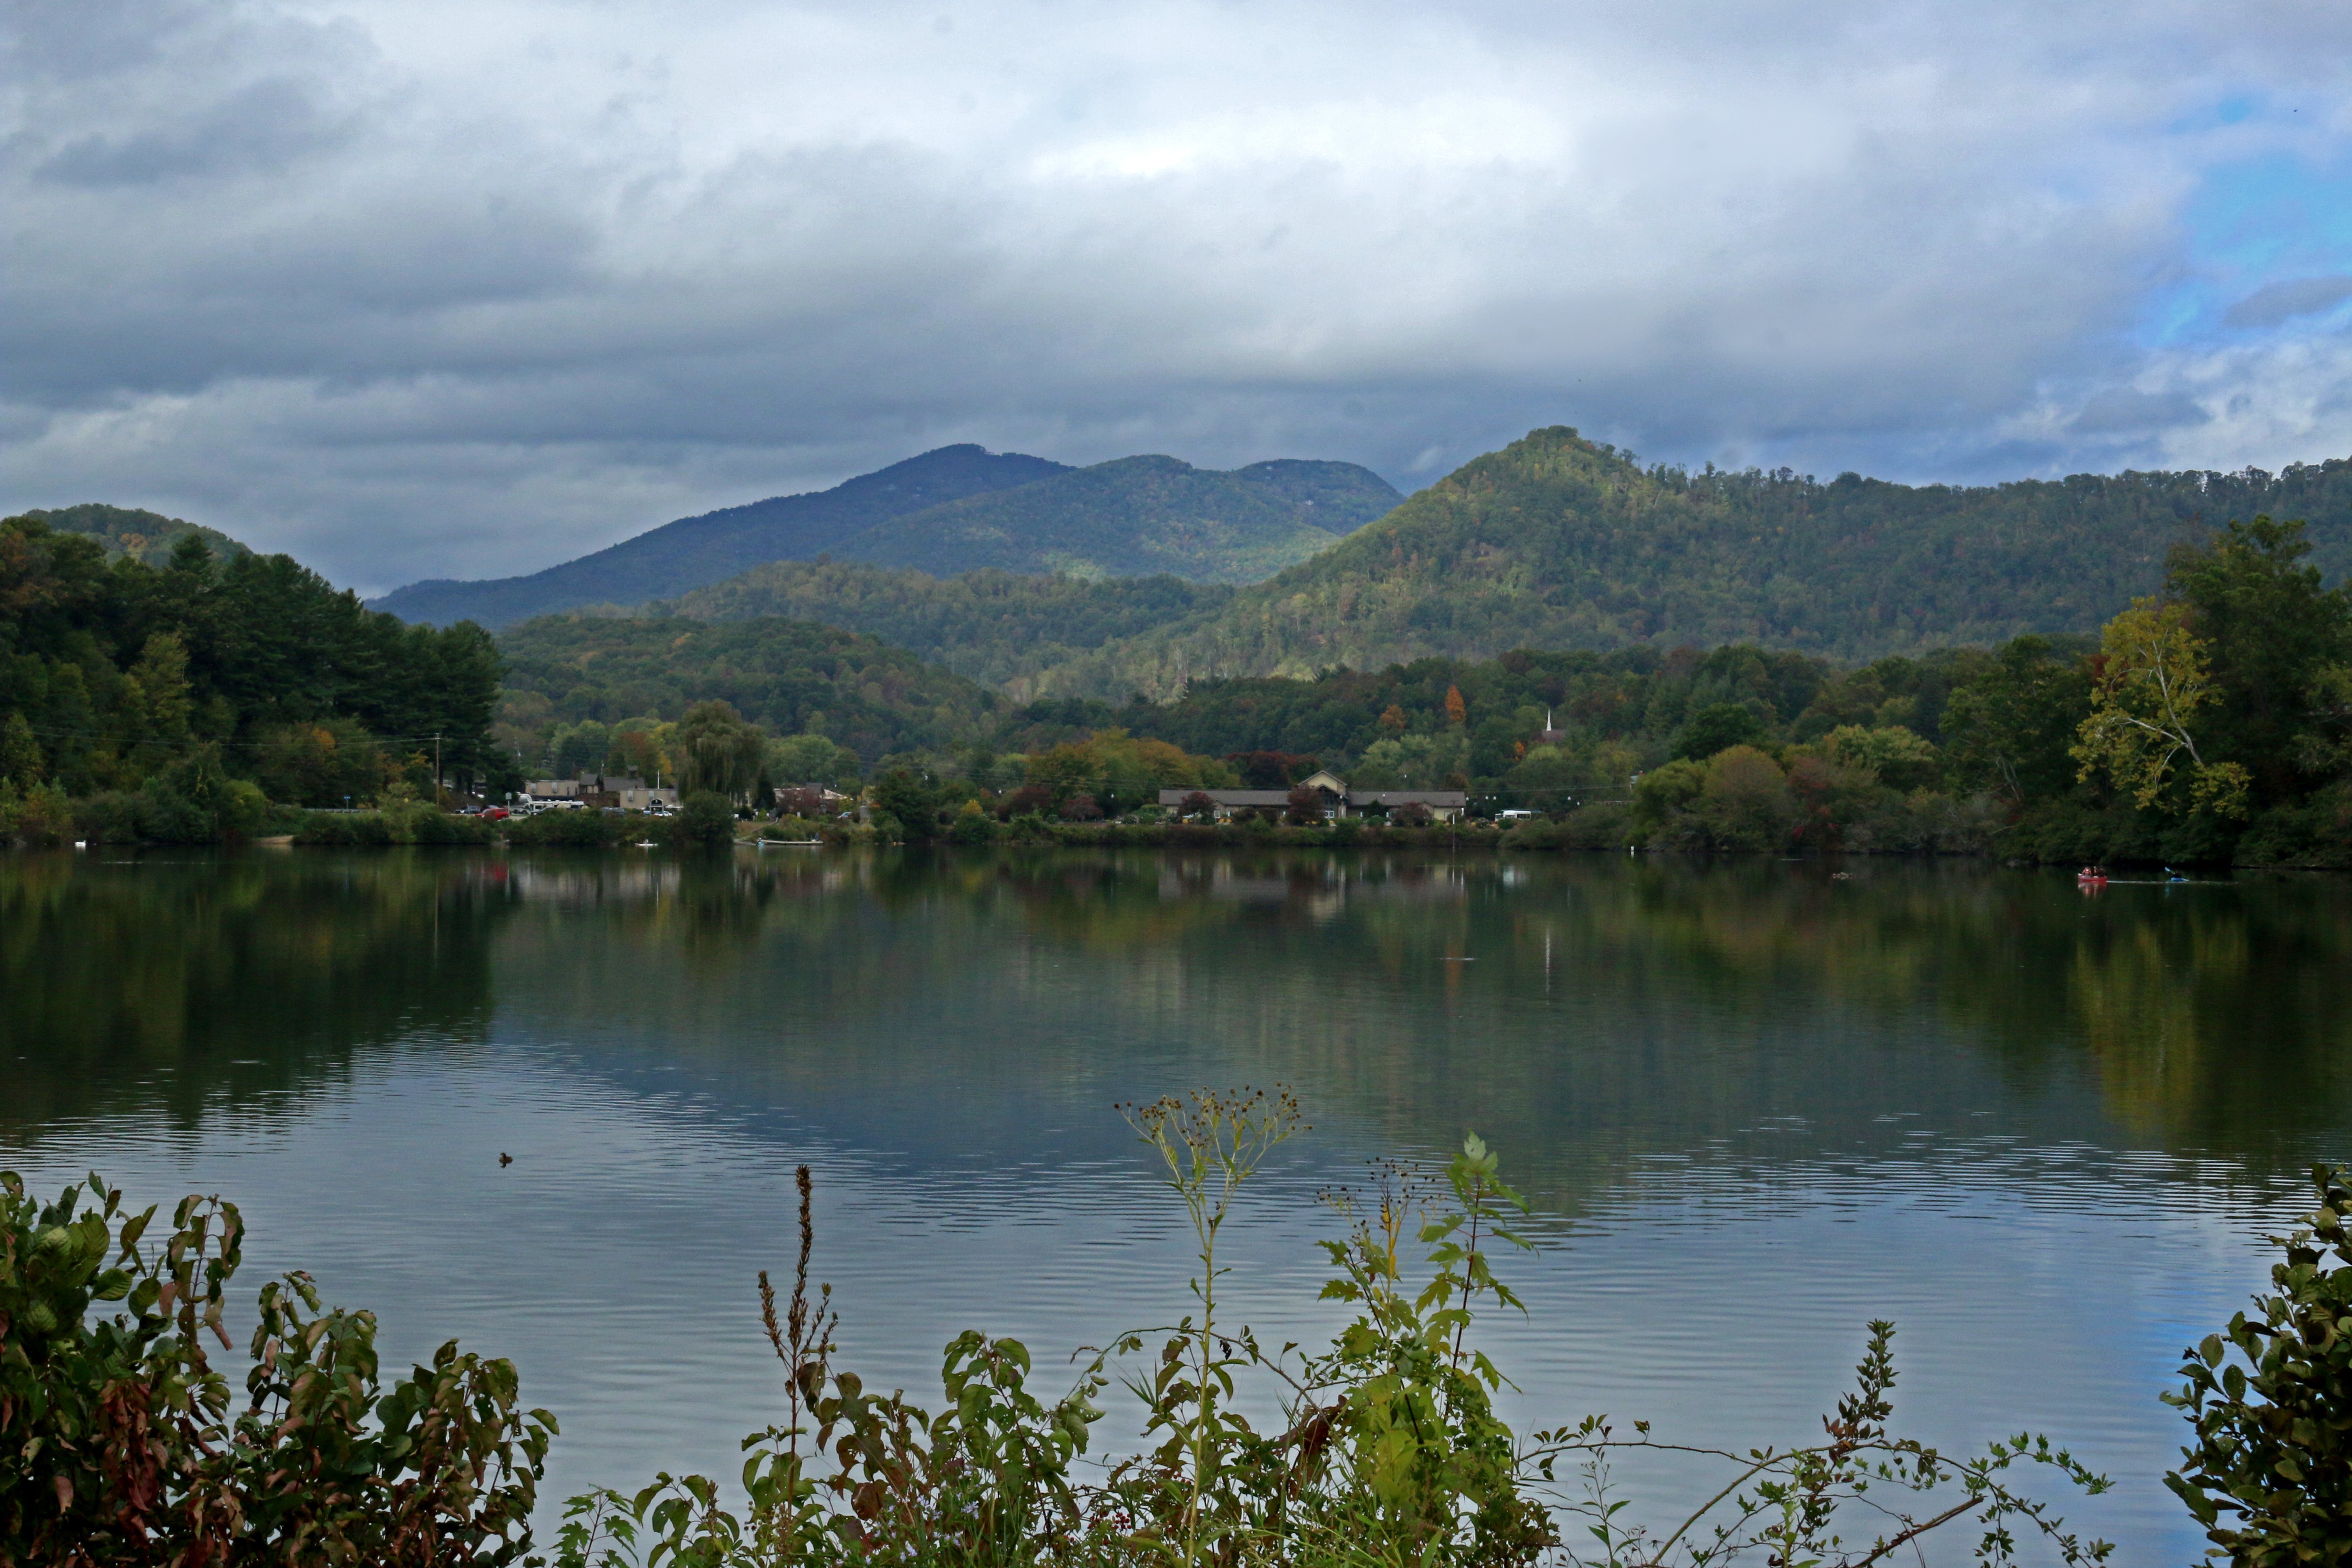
422, 288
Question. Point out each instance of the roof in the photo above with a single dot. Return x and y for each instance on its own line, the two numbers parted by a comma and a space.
1431, 797
1228, 796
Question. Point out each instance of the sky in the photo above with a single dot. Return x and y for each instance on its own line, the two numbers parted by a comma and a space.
426, 289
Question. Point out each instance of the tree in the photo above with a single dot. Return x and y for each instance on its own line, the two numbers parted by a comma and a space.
1276, 770
159, 692
811, 760
2269, 628
1746, 803
1901, 759
908, 799
332, 762
705, 820
2150, 680
1718, 727
585, 748
1457, 712
719, 753
1306, 805
2011, 728
1411, 762
20, 754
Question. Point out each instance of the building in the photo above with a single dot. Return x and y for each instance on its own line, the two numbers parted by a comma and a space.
1337, 799
639, 797
596, 789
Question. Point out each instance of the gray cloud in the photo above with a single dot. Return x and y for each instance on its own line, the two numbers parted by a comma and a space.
431, 288
2125, 408
2287, 299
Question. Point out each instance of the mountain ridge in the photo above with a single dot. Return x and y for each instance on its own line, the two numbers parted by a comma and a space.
1140, 517
955, 510
711, 546
1555, 541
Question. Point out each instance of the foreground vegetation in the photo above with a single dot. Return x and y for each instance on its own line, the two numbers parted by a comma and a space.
121, 1442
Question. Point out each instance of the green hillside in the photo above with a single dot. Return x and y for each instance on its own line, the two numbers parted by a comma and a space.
1138, 517
1556, 543
995, 627
148, 536
790, 676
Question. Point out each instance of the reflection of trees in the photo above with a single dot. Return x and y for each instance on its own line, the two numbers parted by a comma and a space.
1584, 1013
174, 984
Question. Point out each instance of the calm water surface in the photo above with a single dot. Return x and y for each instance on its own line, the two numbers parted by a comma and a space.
1754, 1107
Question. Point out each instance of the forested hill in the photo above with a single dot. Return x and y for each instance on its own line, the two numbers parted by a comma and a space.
1137, 517
790, 676
695, 551
129, 677
1001, 628
1555, 542
148, 537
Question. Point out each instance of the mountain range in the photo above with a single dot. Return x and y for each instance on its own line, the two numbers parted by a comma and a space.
1556, 542
955, 509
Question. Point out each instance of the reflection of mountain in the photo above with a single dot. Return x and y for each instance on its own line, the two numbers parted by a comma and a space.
1585, 1015
1590, 1016
189, 984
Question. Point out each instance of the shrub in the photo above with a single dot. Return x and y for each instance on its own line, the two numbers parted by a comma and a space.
118, 1442
344, 831
110, 816
972, 826
572, 829
1388, 1448
2270, 1398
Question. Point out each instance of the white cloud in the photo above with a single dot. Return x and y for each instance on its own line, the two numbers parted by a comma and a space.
428, 288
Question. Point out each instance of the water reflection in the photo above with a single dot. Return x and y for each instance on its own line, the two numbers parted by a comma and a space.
2041, 1132
1560, 1005
169, 985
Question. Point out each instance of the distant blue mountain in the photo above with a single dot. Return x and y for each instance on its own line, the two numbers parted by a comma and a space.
695, 551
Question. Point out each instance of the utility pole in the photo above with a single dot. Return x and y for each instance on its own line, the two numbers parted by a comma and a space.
436, 769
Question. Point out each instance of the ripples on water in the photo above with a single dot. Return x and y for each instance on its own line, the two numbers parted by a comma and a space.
1757, 1109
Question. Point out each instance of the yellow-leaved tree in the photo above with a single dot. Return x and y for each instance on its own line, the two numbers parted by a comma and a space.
2152, 680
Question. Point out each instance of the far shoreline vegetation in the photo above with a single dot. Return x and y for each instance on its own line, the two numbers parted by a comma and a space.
223, 697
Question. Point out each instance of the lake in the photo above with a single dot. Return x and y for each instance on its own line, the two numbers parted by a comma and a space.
1754, 1105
